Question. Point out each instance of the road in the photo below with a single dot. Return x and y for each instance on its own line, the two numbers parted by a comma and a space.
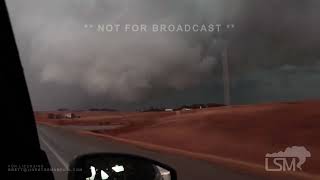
62, 145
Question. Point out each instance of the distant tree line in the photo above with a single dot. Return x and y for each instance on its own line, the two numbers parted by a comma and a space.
192, 106
90, 109
102, 109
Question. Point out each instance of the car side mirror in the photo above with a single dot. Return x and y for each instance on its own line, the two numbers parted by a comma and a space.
111, 166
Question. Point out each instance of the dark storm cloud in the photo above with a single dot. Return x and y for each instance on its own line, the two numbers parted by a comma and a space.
274, 33
58, 51
124, 66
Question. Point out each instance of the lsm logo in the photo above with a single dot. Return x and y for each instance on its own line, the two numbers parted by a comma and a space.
289, 160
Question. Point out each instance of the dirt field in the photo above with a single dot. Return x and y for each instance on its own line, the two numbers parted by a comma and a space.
243, 133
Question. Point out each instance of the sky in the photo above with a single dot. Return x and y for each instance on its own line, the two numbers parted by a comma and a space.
273, 52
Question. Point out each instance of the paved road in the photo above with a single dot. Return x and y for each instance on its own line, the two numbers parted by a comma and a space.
62, 145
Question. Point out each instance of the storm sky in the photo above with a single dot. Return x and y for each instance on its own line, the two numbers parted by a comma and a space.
273, 52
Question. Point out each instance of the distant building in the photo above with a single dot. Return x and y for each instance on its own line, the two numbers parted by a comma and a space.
58, 116
70, 115
186, 109
168, 110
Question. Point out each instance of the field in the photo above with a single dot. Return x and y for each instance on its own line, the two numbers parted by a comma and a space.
245, 133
